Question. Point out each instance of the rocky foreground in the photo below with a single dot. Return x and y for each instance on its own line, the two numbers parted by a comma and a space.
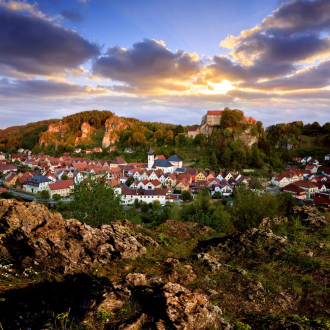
62, 274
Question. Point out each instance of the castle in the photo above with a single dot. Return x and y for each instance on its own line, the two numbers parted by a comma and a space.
213, 118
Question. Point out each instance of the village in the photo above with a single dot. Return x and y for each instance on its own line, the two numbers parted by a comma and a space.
158, 179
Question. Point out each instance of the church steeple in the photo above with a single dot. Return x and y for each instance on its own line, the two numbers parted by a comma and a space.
151, 159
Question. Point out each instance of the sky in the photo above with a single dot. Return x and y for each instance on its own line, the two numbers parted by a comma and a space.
166, 61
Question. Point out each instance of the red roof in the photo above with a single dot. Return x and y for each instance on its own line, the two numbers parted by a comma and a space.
61, 184
214, 112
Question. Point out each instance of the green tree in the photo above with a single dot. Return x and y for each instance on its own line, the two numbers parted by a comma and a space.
45, 194
249, 208
57, 197
129, 181
156, 206
186, 196
64, 176
144, 207
95, 202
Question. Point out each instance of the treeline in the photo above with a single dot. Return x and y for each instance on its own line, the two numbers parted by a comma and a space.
94, 118
284, 132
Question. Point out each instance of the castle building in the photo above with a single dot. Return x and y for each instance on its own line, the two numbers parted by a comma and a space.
213, 118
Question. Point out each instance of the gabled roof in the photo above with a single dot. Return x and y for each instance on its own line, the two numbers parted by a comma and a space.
38, 178
119, 160
162, 163
174, 158
64, 184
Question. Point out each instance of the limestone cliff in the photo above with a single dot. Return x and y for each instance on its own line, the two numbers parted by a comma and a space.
113, 127
85, 134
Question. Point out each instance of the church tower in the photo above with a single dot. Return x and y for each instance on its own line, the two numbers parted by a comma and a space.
151, 159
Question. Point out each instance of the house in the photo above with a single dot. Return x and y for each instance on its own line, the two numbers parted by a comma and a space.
2, 156
2, 190
321, 187
151, 185
192, 132
309, 187
8, 168
182, 185
37, 183
11, 179
176, 161
97, 149
130, 195
322, 199
129, 150
63, 188
280, 181
296, 191
77, 150
21, 179
118, 161
201, 176
312, 168
170, 181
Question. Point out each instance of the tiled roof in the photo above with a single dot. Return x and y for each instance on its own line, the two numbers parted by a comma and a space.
61, 184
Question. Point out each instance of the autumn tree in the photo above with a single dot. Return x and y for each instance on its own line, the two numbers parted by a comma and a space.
169, 137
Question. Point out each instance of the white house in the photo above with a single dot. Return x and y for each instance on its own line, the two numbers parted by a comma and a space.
36, 183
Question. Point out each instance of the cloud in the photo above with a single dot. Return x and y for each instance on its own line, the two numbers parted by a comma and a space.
72, 14
35, 46
291, 33
148, 65
45, 89
310, 78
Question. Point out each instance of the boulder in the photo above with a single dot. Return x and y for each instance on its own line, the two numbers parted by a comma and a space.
309, 217
187, 310
35, 237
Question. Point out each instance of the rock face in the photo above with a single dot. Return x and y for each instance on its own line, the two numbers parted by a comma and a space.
33, 236
309, 217
113, 127
187, 310
85, 129
270, 222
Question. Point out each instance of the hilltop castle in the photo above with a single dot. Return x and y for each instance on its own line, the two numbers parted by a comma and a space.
213, 118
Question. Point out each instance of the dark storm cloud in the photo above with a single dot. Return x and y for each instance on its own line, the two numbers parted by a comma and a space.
33, 45
311, 78
44, 88
72, 14
148, 64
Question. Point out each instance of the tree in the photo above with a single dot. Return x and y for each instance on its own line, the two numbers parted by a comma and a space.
186, 196
156, 206
64, 176
144, 207
45, 194
159, 134
169, 137
95, 202
57, 197
129, 181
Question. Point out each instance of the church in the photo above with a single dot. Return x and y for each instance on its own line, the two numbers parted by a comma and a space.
166, 165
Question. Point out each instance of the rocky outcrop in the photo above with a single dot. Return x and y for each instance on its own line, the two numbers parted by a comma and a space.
187, 229
187, 310
33, 236
309, 217
113, 127
85, 132
271, 222
241, 243
209, 261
